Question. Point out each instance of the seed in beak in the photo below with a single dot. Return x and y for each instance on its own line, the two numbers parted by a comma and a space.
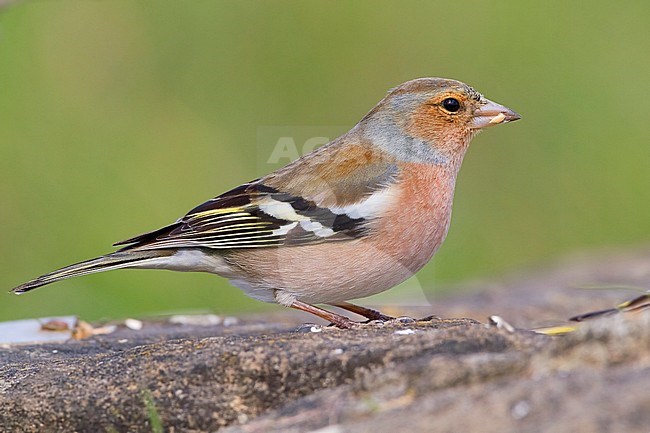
498, 119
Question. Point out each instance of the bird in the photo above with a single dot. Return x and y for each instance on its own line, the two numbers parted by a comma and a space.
352, 218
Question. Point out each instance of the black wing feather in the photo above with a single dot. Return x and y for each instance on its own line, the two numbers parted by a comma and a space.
236, 220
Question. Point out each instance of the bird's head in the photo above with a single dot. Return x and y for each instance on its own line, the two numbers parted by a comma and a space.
431, 119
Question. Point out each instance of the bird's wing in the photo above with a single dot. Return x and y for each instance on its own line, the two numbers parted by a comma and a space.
257, 215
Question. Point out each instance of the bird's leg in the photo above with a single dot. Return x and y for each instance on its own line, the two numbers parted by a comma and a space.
336, 319
368, 313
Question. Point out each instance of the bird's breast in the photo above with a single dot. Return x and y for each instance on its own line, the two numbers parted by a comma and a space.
415, 226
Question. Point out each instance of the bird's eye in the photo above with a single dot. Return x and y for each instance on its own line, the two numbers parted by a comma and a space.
451, 104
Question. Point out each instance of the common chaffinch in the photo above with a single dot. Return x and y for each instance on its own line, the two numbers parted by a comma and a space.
351, 219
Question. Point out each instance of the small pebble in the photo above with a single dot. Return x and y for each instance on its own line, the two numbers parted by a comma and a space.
404, 332
501, 323
133, 324
229, 321
197, 320
520, 410
309, 327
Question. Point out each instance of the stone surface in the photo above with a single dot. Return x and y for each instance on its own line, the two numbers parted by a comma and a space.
448, 375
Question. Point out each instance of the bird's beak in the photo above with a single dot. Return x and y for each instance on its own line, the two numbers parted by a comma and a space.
492, 113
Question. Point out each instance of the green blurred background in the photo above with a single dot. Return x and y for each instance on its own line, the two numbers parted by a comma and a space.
116, 117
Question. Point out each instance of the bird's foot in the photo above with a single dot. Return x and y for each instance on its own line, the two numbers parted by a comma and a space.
388, 320
368, 313
345, 323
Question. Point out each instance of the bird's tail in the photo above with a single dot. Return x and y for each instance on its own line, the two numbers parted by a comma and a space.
117, 260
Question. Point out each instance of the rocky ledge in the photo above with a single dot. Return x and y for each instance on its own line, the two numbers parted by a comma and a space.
268, 374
